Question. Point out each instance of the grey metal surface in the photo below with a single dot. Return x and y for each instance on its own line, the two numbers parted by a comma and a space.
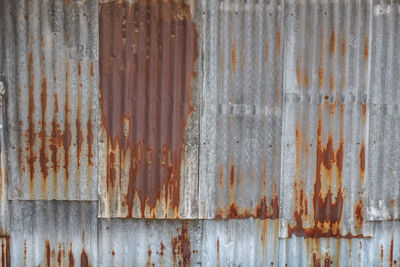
49, 65
241, 109
127, 242
53, 233
383, 183
324, 136
243, 242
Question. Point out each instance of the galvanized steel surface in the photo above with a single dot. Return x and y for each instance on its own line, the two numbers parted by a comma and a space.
272, 124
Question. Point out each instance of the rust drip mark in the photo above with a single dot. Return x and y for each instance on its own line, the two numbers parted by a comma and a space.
5, 251
221, 176
364, 112
218, 260
162, 248
366, 48
278, 42
56, 140
392, 203
181, 249
232, 175
71, 261
359, 214
68, 2
321, 76
59, 256
141, 79
381, 254
333, 42
48, 253
344, 47
30, 134
234, 57
79, 70
391, 253
42, 157
316, 261
149, 256
90, 139
362, 162
79, 138
25, 252
84, 259
91, 69
332, 84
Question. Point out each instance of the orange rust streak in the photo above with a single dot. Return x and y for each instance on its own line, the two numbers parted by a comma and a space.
43, 158
366, 48
48, 253
221, 175
234, 57
31, 135
333, 42
362, 161
391, 253
278, 42
181, 248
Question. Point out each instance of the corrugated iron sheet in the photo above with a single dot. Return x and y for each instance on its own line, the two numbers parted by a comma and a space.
383, 182
53, 233
50, 68
324, 139
124, 242
381, 250
244, 242
148, 53
241, 109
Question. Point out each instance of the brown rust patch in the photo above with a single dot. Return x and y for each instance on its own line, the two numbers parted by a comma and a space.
84, 259
42, 153
90, 139
221, 175
278, 42
366, 48
333, 42
30, 134
162, 248
147, 55
391, 253
5, 251
181, 249
79, 139
359, 214
392, 203
319, 262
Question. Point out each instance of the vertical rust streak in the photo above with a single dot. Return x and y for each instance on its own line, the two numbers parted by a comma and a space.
391, 253
43, 157
181, 248
67, 136
71, 261
31, 135
84, 259
48, 253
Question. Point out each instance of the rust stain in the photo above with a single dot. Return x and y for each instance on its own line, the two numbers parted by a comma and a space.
381, 254
221, 175
59, 255
144, 78
321, 77
67, 135
232, 175
362, 162
344, 47
162, 248
5, 251
42, 157
391, 253
90, 139
48, 253
79, 139
71, 261
24, 252
91, 69
332, 84
234, 57
84, 259
392, 203
316, 261
366, 48
359, 213
181, 249
218, 260
148, 256
278, 42
333, 42
30, 134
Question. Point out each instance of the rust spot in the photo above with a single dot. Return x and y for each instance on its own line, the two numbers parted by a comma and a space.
381, 253
84, 259
71, 261
392, 203
91, 69
148, 256
24, 252
181, 250
364, 111
362, 161
232, 175
359, 212
145, 78
391, 253
68, 2
79, 70
48, 253
162, 248
233, 57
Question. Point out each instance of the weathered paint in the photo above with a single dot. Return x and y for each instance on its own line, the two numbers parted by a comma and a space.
147, 55
51, 99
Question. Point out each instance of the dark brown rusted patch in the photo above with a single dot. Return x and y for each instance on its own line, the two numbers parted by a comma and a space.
48, 253
316, 261
42, 153
84, 259
71, 261
162, 247
30, 134
181, 250
381, 253
59, 256
147, 55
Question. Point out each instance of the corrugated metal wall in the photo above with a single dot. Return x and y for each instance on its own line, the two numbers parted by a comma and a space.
187, 133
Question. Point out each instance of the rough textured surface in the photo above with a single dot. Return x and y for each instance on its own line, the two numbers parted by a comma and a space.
148, 52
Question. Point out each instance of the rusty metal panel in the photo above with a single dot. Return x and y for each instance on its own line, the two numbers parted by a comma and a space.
53, 233
149, 109
123, 242
383, 181
50, 68
381, 250
243, 242
324, 136
241, 109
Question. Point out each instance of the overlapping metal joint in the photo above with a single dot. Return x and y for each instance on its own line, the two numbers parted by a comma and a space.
174, 132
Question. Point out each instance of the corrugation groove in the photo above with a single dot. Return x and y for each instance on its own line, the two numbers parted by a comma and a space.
324, 137
51, 105
384, 140
241, 116
147, 55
